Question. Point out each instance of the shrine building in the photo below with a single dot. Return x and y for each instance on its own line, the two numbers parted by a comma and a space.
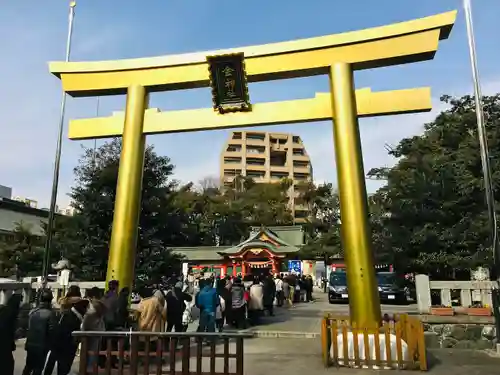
266, 250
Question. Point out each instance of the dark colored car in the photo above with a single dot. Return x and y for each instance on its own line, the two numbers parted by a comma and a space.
391, 288
337, 287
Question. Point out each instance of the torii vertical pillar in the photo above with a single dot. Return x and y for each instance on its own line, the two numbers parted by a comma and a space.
123, 246
364, 300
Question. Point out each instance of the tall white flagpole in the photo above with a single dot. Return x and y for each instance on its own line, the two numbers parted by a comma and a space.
57, 161
485, 160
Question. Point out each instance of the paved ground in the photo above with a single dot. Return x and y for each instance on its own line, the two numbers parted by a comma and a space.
303, 356
299, 355
305, 317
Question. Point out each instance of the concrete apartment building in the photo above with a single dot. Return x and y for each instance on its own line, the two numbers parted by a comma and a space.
13, 212
267, 157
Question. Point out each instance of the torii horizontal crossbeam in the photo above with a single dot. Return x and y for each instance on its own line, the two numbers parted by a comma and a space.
293, 111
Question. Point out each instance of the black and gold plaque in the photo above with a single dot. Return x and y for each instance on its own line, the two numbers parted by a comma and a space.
228, 81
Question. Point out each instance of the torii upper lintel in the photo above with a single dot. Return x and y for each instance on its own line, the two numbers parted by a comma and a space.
403, 42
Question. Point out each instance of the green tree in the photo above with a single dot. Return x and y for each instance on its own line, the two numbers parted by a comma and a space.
323, 224
435, 218
21, 254
266, 203
93, 197
224, 215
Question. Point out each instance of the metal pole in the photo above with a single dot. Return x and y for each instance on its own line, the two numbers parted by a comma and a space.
57, 161
485, 159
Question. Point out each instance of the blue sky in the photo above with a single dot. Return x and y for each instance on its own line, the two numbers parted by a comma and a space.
34, 33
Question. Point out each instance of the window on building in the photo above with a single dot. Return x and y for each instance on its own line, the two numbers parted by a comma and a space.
300, 164
232, 172
232, 160
277, 159
256, 174
298, 151
256, 149
255, 161
237, 135
233, 148
278, 175
300, 176
296, 139
256, 136
277, 141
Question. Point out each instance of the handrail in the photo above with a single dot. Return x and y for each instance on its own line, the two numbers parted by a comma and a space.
163, 334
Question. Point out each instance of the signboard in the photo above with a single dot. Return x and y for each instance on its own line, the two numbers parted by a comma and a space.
229, 83
295, 266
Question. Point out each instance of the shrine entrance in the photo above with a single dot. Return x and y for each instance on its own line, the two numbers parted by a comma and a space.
266, 250
261, 254
260, 269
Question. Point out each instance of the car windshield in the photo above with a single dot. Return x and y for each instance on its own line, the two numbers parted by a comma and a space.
338, 278
386, 279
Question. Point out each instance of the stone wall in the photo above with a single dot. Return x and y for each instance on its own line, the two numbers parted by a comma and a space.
460, 336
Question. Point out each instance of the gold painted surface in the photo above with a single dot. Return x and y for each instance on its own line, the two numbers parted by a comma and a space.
356, 237
265, 238
398, 43
123, 245
304, 110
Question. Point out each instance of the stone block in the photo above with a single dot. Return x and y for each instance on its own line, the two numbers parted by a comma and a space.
432, 340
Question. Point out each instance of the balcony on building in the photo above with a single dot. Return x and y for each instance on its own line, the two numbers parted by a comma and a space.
301, 176
256, 151
278, 176
232, 162
277, 159
233, 148
255, 138
256, 175
231, 173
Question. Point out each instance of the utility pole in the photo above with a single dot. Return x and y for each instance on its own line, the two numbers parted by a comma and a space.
485, 161
57, 161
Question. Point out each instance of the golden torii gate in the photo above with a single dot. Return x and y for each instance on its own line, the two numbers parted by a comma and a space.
227, 71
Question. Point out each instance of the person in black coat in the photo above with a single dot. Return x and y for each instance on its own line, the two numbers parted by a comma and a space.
176, 304
269, 294
41, 330
8, 324
64, 345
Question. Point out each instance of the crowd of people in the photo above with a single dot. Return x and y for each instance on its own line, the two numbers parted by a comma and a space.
217, 302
